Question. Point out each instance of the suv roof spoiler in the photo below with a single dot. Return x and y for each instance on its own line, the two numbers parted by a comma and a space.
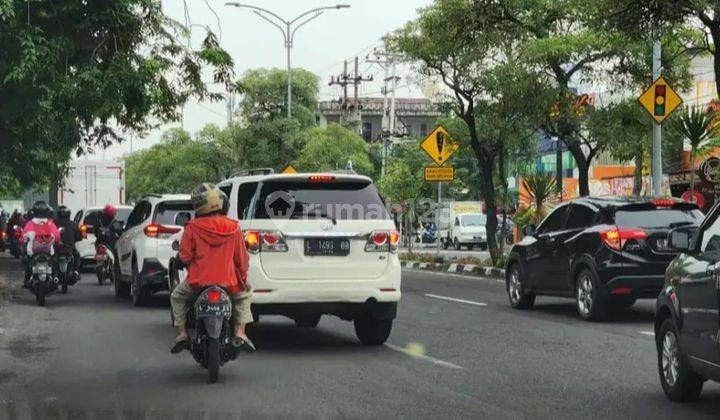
255, 171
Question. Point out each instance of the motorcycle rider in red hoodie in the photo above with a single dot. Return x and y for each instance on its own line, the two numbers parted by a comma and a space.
213, 250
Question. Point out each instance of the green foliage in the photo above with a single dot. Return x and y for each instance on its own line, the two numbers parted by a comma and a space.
699, 128
265, 95
540, 189
331, 148
74, 75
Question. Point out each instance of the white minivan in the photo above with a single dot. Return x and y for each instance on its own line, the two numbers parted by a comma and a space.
319, 244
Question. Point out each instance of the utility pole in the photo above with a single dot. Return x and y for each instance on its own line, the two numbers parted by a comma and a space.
387, 61
288, 29
657, 176
350, 112
230, 106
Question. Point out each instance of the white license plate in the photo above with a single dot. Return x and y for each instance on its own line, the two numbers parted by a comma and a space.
42, 269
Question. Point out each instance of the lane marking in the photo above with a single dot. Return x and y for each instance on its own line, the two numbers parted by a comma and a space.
650, 333
430, 359
469, 302
445, 274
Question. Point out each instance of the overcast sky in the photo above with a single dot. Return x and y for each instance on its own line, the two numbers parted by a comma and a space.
320, 46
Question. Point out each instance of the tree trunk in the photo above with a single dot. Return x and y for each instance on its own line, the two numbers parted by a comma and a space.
637, 174
693, 152
489, 198
583, 181
503, 183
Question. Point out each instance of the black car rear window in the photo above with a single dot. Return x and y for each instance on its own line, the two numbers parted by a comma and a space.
92, 218
307, 200
657, 218
165, 213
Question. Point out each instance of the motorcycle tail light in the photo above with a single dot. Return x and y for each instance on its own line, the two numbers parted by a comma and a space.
102, 250
4, 234
382, 241
213, 296
83, 230
616, 238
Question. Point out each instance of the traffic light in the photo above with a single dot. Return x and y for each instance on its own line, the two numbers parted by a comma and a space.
660, 100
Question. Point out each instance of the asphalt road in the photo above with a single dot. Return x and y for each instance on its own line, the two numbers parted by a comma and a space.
87, 355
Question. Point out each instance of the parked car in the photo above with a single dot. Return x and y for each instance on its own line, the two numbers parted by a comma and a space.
145, 246
687, 312
319, 244
87, 219
604, 252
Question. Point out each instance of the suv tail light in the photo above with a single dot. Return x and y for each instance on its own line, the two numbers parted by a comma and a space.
616, 238
83, 230
382, 241
265, 241
153, 230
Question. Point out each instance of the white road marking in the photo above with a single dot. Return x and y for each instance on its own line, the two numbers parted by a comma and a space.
469, 302
444, 275
430, 359
650, 333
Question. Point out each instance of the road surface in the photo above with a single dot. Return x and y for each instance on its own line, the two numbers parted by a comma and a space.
457, 351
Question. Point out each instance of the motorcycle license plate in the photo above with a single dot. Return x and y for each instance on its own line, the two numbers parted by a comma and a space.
209, 309
335, 247
42, 269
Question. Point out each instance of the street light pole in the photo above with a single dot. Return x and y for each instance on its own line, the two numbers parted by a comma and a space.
288, 33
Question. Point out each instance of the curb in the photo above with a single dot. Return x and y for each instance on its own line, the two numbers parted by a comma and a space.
466, 269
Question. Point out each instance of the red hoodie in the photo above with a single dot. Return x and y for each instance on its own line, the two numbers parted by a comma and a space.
213, 248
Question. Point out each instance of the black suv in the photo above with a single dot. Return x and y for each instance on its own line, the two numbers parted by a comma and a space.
687, 317
603, 251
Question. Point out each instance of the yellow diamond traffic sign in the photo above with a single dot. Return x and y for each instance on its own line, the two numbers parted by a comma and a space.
439, 145
289, 170
660, 100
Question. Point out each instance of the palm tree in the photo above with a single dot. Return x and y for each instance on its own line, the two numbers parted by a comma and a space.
697, 127
539, 189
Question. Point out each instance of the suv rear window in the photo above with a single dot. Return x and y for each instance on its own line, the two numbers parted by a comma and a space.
92, 218
657, 218
122, 214
166, 212
350, 200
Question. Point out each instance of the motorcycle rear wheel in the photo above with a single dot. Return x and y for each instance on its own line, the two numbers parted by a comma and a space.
40, 293
212, 352
100, 271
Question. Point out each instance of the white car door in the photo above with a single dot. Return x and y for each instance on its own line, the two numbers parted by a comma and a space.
133, 227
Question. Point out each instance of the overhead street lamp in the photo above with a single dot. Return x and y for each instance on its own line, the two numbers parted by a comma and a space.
288, 29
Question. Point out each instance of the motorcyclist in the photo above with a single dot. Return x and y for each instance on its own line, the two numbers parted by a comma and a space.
40, 234
16, 219
103, 231
69, 234
209, 243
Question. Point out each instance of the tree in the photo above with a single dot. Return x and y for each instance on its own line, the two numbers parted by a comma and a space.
698, 127
265, 95
477, 63
75, 75
332, 148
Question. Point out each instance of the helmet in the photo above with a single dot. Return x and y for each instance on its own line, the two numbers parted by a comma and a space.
109, 211
63, 212
225, 203
206, 199
40, 210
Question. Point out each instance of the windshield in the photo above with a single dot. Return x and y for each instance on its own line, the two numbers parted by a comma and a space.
473, 219
332, 200
658, 218
166, 213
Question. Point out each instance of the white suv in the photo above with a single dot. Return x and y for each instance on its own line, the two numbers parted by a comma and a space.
86, 220
145, 246
319, 244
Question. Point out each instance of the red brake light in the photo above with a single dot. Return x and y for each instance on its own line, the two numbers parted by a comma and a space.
213, 296
102, 249
154, 230
379, 238
663, 202
4, 234
252, 240
321, 178
616, 238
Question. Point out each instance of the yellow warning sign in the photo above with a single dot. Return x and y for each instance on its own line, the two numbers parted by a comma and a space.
439, 145
289, 170
660, 100
439, 173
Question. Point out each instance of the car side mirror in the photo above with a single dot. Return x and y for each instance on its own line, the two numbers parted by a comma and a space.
530, 230
679, 239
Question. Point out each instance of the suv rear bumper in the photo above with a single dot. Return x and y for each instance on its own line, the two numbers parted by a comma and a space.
645, 280
153, 274
343, 310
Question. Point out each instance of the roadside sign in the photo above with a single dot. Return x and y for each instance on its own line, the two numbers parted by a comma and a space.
439, 173
289, 170
439, 145
660, 100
